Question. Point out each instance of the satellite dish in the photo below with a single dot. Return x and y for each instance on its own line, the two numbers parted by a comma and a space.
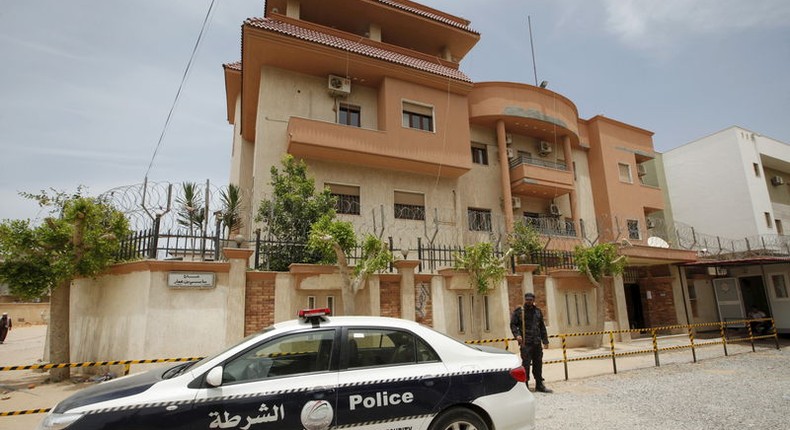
657, 242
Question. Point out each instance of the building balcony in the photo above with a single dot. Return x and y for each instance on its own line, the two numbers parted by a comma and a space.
651, 198
421, 153
525, 110
540, 178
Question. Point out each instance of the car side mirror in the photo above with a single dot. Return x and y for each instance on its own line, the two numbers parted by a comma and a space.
214, 377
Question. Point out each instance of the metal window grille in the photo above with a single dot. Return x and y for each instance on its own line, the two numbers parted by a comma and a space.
347, 204
415, 212
479, 219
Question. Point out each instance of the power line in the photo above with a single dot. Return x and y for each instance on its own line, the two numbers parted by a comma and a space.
181, 86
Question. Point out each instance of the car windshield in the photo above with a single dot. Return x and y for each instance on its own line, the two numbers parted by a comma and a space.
177, 370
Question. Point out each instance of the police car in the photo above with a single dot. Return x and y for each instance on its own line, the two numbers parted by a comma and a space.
316, 373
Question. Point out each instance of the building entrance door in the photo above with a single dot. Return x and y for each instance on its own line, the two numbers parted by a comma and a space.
753, 293
633, 304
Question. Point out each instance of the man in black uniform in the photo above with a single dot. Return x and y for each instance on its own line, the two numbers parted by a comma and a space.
527, 326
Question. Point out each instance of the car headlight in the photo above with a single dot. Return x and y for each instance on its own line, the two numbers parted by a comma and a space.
58, 421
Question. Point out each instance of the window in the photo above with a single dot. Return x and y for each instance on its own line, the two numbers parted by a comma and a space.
768, 222
479, 219
577, 311
625, 173
348, 115
756, 168
486, 314
780, 286
573, 163
409, 205
347, 198
417, 116
633, 229
385, 347
780, 230
461, 325
310, 302
330, 303
479, 154
288, 355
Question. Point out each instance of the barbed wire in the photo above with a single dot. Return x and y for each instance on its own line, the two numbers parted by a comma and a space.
409, 225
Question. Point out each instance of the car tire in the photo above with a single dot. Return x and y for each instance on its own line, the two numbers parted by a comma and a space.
459, 419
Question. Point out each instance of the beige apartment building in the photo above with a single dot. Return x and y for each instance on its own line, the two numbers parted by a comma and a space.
370, 94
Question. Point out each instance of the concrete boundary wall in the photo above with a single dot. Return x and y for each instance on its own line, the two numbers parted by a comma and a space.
131, 312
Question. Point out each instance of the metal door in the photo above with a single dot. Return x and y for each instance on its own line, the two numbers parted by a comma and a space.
728, 298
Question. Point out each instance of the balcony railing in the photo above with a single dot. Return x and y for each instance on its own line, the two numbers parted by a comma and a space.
523, 159
551, 226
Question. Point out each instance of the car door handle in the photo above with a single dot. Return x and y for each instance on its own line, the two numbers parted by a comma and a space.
320, 391
428, 380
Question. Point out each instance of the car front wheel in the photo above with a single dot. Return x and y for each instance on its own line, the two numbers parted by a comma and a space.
459, 419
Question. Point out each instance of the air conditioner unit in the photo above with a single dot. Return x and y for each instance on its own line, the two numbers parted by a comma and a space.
511, 153
544, 148
508, 138
641, 170
554, 210
338, 86
777, 180
717, 271
516, 201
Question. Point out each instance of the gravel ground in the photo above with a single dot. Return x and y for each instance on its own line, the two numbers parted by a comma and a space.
744, 391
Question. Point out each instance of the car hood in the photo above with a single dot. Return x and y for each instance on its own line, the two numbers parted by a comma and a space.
109, 390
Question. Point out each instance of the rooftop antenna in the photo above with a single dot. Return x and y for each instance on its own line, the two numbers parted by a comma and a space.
532, 47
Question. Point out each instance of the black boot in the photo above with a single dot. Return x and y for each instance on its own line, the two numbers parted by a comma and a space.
542, 388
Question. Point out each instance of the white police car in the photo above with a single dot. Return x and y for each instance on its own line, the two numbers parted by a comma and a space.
317, 373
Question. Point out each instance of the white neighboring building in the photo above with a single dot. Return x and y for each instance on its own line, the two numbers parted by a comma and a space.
735, 183
733, 186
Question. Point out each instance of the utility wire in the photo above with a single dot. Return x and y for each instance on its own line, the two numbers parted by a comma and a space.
181, 86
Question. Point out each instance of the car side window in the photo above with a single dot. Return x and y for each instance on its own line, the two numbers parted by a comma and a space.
288, 355
386, 347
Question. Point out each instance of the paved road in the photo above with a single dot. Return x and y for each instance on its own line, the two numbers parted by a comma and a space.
743, 391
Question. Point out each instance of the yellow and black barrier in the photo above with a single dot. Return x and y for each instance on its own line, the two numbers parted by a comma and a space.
690, 329
97, 363
25, 412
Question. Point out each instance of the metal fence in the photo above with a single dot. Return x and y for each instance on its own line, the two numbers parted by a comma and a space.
157, 213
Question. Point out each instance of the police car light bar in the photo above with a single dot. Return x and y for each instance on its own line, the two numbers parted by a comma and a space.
312, 313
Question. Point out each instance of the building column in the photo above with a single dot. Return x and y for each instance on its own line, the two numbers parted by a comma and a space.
437, 304
553, 322
620, 309
575, 212
237, 287
407, 300
504, 175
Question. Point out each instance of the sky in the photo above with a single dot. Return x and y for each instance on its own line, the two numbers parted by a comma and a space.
86, 86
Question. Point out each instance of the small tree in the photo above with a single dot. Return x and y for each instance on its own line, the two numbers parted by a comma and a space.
524, 240
483, 266
81, 241
288, 216
334, 240
190, 211
597, 262
485, 269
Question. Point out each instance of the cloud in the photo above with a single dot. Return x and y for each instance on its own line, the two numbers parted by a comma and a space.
659, 24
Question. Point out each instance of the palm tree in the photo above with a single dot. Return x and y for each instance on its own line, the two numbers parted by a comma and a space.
231, 208
191, 212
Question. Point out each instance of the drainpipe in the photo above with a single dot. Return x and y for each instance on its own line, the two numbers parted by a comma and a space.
504, 173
